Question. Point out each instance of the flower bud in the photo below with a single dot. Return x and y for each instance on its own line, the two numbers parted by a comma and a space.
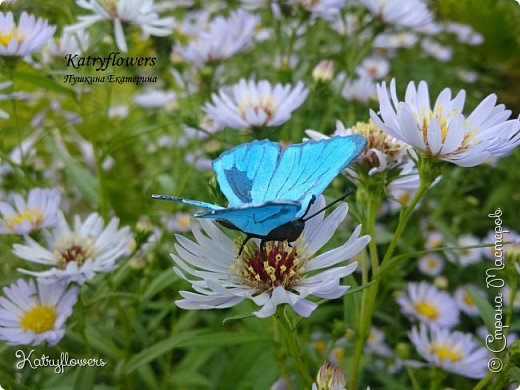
330, 377
324, 71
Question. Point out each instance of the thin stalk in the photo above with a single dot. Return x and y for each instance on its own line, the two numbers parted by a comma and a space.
413, 379
484, 381
294, 347
280, 352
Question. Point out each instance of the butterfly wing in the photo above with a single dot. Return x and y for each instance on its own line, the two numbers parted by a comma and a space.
305, 170
260, 171
245, 170
190, 202
256, 219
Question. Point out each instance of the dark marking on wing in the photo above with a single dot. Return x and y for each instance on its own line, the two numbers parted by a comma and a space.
240, 183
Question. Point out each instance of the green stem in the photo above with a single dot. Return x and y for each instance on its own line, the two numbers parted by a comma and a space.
428, 172
293, 346
280, 352
484, 381
413, 379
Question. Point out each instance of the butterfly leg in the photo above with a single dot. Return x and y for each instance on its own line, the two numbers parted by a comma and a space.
243, 245
262, 250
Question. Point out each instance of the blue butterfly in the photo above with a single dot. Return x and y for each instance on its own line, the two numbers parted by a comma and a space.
270, 189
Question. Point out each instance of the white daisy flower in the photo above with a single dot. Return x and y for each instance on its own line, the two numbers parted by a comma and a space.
156, 98
469, 256
179, 222
24, 38
464, 300
444, 132
118, 111
77, 254
376, 343
436, 50
506, 250
69, 43
325, 9
411, 13
429, 305
38, 212
455, 352
137, 12
373, 67
395, 40
223, 38
434, 240
283, 274
431, 265
31, 313
360, 90
468, 76
255, 104
464, 33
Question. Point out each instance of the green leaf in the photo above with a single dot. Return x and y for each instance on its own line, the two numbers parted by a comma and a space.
102, 342
237, 317
159, 283
190, 339
77, 174
486, 311
45, 82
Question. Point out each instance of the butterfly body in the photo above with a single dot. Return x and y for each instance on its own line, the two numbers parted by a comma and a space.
270, 189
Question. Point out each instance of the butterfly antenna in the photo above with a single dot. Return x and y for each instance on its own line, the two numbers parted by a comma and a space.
329, 205
165, 197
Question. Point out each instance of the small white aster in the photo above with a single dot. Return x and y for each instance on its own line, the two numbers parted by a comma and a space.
69, 43
436, 50
77, 254
395, 40
24, 38
464, 33
137, 12
410, 13
38, 212
468, 76
255, 104
464, 300
376, 343
361, 90
455, 352
469, 256
325, 9
429, 305
434, 240
179, 222
431, 265
31, 313
284, 275
221, 39
156, 98
373, 67
444, 132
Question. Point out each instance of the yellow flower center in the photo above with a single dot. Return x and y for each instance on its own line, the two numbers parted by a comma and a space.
279, 265
427, 310
377, 139
467, 300
13, 34
39, 319
184, 221
320, 346
431, 264
266, 103
445, 353
33, 215
339, 353
74, 248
